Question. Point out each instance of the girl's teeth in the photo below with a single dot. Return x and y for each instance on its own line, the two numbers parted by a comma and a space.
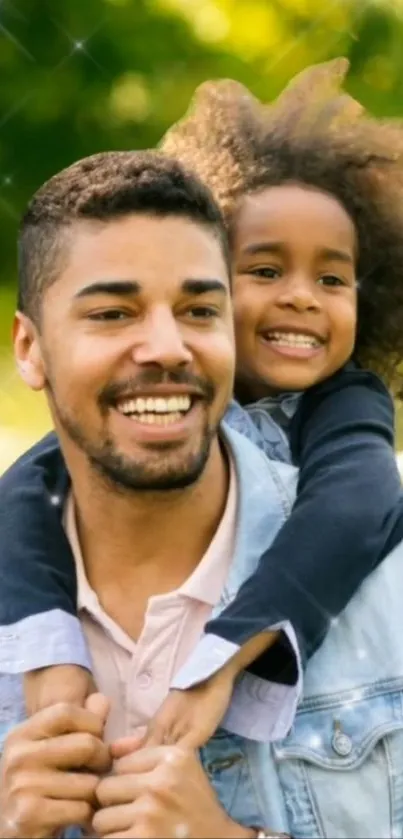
289, 339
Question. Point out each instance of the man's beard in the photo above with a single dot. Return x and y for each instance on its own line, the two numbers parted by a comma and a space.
127, 474
167, 468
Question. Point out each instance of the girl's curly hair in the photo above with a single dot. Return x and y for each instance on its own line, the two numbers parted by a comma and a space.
317, 135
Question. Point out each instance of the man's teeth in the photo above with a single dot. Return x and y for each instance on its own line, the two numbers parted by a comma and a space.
157, 419
158, 410
291, 339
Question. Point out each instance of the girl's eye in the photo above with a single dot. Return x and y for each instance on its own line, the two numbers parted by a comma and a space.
266, 272
108, 315
331, 280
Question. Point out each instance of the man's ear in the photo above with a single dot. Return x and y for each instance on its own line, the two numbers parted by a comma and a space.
27, 352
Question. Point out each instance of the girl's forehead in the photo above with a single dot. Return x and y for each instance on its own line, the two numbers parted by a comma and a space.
291, 213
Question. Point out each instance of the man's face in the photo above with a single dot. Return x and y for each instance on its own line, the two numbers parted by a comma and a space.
136, 348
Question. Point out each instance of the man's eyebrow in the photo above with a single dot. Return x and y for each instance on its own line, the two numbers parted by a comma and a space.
203, 286
118, 288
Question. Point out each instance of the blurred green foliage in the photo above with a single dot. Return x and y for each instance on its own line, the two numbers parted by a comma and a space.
81, 76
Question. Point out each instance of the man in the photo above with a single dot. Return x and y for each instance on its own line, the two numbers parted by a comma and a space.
127, 325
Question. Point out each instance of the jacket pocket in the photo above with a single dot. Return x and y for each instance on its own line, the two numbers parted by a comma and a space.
226, 764
341, 767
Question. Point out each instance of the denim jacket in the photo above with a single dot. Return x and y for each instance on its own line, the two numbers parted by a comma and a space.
339, 772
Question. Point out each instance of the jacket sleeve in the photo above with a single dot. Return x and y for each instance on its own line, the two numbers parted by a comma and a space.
36, 563
347, 515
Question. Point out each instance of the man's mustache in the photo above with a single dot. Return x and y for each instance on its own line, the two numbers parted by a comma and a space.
114, 391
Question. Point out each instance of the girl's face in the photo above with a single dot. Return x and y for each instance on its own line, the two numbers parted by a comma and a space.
295, 296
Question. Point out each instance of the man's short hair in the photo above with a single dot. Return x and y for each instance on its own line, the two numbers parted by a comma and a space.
104, 187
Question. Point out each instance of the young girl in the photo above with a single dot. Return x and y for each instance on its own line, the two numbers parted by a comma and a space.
311, 189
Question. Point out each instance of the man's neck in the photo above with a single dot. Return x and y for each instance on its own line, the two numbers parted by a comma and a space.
147, 542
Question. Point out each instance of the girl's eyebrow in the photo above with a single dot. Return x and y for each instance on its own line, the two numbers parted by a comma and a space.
279, 248
337, 255
265, 247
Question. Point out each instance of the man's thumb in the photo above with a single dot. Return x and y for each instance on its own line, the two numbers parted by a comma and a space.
98, 704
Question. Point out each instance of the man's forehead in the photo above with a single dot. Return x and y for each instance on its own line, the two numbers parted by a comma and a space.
85, 233
134, 251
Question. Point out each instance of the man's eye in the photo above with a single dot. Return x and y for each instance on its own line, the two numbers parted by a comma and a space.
203, 312
108, 315
266, 272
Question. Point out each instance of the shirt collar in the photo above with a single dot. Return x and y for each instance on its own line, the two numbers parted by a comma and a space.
204, 584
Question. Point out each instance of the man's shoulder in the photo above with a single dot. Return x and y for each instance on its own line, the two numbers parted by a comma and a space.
257, 425
254, 468
266, 492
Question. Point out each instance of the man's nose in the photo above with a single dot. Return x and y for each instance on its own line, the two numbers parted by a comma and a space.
161, 342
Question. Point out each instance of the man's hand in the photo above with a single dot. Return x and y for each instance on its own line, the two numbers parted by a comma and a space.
161, 791
50, 769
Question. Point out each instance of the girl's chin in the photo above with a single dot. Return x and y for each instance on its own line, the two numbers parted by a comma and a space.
260, 386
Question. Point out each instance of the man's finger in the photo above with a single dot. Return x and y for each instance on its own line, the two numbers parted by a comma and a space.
98, 704
78, 751
127, 745
61, 814
69, 751
59, 719
113, 819
114, 790
53, 816
54, 784
145, 760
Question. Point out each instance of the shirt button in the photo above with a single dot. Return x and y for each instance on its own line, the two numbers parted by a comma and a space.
342, 744
144, 680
